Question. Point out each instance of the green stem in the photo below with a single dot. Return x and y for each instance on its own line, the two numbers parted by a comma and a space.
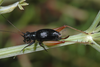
16, 50
94, 24
96, 46
97, 29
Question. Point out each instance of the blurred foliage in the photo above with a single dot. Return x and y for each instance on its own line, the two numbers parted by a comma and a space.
51, 14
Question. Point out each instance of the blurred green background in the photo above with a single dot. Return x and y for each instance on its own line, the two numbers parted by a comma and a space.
51, 14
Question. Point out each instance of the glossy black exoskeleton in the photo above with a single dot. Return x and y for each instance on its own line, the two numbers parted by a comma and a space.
41, 35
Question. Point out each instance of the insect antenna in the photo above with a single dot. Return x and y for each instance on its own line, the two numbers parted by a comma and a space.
11, 24
8, 31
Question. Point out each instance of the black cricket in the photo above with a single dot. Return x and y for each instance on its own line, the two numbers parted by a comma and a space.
41, 35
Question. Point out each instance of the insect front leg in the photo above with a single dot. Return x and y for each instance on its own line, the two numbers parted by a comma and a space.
27, 45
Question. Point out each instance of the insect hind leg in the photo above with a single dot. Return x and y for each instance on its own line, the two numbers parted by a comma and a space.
66, 37
61, 28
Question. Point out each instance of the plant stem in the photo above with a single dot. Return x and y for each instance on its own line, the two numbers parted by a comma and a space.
96, 46
94, 24
16, 50
97, 29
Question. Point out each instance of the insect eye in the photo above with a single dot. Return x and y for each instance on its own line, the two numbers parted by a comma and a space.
27, 38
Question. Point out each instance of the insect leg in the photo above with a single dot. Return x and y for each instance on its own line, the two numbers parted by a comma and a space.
28, 45
75, 29
52, 43
60, 28
40, 43
65, 37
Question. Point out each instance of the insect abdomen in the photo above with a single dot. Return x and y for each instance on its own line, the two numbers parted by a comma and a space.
47, 35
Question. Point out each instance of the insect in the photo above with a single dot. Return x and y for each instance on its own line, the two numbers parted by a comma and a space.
52, 36
42, 35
